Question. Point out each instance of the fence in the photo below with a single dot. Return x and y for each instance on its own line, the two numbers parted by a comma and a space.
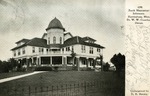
77, 89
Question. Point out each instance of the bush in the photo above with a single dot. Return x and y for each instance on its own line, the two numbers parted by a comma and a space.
56, 68
43, 68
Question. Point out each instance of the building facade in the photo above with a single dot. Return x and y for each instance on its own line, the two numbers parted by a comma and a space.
58, 48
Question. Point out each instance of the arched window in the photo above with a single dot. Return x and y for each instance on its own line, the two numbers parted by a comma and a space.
54, 40
60, 40
48, 40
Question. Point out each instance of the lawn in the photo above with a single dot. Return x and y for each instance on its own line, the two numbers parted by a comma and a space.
11, 74
109, 81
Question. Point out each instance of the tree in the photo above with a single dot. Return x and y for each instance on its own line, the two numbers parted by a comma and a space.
12, 63
73, 55
106, 67
118, 61
7, 66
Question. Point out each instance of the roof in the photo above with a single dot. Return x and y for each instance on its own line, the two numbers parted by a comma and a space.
79, 40
69, 34
88, 38
55, 23
17, 47
39, 42
44, 35
54, 46
23, 40
33, 42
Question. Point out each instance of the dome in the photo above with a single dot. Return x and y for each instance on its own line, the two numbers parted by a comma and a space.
55, 23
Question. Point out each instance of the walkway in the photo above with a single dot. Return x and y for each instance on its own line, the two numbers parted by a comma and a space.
20, 76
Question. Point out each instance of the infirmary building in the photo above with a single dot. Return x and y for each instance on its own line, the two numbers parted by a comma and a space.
58, 48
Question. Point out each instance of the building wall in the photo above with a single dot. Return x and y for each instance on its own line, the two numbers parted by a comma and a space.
55, 33
77, 49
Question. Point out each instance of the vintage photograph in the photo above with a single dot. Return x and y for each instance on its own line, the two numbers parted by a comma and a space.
62, 48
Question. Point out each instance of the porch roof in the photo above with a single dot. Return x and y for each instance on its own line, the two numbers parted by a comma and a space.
79, 40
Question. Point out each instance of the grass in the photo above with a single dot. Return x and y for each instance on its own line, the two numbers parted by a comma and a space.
11, 74
109, 79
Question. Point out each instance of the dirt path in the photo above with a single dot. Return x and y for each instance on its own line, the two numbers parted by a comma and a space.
19, 76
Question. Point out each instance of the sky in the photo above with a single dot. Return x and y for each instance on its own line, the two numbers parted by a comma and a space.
99, 19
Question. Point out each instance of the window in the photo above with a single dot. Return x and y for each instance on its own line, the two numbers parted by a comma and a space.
91, 50
60, 40
72, 48
83, 48
14, 53
84, 62
33, 49
98, 49
47, 50
54, 40
23, 50
18, 51
67, 48
48, 40
39, 49
42, 50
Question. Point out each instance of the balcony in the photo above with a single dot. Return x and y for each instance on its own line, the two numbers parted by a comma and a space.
55, 52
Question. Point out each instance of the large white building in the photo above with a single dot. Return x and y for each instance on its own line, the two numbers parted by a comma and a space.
58, 48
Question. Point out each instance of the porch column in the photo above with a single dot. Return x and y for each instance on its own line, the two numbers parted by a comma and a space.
78, 62
21, 62
87, 62
39, 60
65, 60
50, 60
26, 61
62, 60
94, 62
31, 61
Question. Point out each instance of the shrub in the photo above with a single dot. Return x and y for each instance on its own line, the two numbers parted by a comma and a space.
43, 68
56, 68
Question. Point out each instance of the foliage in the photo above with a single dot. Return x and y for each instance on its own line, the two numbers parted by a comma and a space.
119, 61
7, 66
43, 68
106, 67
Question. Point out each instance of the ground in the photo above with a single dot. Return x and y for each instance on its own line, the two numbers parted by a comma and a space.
6, 75
102, 83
